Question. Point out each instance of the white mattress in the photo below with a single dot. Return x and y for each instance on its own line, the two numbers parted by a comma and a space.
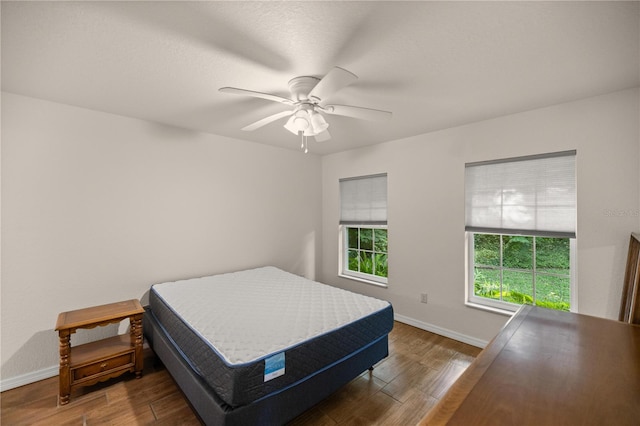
242, 333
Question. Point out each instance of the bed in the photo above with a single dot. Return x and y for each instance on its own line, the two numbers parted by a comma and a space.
261, 346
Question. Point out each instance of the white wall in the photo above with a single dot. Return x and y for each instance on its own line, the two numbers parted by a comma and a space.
426, 206
97, 207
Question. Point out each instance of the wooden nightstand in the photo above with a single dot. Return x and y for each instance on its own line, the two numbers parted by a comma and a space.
88, 364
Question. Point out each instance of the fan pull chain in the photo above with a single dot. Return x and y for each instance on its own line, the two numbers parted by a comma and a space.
304, 145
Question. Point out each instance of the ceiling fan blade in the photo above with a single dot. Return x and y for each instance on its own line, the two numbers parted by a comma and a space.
358, 112
323, 136
335, 80
267, 96
266, 121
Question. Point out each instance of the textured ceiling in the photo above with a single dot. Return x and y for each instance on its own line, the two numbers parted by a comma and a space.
433, 64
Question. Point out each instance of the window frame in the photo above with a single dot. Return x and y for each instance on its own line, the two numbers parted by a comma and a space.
344, 271
532, 196
500, 306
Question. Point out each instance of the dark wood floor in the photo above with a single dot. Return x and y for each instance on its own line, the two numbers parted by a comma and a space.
401, 389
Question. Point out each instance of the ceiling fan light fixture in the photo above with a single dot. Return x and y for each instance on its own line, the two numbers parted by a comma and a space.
318, 123
289, 125
300, 123
297, 122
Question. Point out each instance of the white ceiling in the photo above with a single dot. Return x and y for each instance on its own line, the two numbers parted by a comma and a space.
433, 64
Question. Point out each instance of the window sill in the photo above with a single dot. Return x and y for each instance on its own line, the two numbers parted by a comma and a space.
363, 280
499, 311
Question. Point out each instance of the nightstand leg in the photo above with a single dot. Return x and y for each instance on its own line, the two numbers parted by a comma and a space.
65, 380
136, 341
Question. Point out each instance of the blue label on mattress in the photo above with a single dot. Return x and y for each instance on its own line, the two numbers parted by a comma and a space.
274, 366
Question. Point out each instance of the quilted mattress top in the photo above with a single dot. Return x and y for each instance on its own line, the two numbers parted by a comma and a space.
249, 315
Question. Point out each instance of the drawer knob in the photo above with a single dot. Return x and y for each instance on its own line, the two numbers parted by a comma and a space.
103, 365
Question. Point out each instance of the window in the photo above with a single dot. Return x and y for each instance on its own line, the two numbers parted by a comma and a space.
520, 270
366, 251
363, 229
520, 223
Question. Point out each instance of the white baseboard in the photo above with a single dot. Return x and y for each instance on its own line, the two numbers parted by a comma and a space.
25, 379
441, 331
36, 376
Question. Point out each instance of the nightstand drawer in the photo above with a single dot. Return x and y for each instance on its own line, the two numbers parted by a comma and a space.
125, 360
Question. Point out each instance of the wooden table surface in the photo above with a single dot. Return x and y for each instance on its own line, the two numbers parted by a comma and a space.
549, 368
96, 315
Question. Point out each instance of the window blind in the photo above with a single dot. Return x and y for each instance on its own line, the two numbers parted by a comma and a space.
535, 195
363, 200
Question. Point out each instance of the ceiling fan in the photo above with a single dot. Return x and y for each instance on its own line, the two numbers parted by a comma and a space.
308, 96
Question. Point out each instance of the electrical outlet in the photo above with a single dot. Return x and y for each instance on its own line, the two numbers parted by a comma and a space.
423, 298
